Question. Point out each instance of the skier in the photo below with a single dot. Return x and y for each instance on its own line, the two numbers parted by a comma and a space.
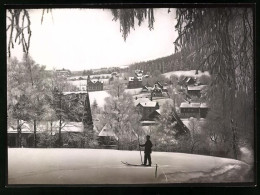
147, 150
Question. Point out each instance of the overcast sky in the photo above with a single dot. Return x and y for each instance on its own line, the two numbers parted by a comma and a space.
79, 39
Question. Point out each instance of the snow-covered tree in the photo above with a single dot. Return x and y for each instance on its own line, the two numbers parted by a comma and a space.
121, 115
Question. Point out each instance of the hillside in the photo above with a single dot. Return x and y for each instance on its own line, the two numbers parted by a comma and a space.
94, 166
189, 73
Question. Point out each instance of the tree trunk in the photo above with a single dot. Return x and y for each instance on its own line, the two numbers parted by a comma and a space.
234, 141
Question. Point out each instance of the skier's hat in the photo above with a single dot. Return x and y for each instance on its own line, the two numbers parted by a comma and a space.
148, 136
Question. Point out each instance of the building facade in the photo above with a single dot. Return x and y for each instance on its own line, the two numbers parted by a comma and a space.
147, 108
134, 82
94, 85
196, 110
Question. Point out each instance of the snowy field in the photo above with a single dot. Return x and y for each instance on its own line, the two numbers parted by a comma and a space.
95, 166
190, 73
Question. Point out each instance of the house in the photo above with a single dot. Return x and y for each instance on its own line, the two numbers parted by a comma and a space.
107, 137
94, 85
196, 110
156, 91
180, 126
63, 73
141, 100
146, 108
195, 90
134, 82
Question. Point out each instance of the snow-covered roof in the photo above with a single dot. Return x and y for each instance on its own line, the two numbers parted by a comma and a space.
74, 92
193, 105
141, 100
25, 128
147, 123
187, 123
96, 81
196, 88
203, 105
107, 131
45, 126
148, 104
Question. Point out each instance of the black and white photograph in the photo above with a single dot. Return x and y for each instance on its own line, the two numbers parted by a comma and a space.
135, 96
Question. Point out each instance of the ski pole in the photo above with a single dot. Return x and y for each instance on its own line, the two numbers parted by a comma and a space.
140, 149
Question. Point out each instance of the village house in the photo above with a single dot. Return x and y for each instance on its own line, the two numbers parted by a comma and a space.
107, 138
63, 73
146, 108
196, 90
196, 110
94, 85
134, 82
156, 91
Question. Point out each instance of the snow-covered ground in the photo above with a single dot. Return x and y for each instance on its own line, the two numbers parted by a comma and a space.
190, 73
99, 96
134, 91
95, 166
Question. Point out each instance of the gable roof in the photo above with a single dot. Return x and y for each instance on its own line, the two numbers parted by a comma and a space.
193, 105
196, 88
148, 104
107, 131
45, 126
140, 100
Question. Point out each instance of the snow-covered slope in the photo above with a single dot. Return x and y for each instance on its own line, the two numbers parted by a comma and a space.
190, 73
95, 166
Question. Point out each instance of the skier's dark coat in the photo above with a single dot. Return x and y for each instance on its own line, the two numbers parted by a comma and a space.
147, 147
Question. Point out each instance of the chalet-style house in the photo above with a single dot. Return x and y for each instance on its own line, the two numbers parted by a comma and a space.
93, 85
147, 108
63, 73
156, 91
195, 90
134, 82
196, 110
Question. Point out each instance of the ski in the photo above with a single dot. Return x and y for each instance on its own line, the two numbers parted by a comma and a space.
129, 164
